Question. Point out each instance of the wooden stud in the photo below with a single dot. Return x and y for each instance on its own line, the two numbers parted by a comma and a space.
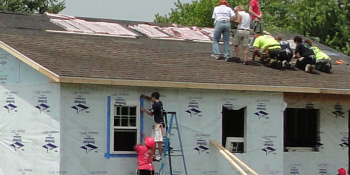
222, 152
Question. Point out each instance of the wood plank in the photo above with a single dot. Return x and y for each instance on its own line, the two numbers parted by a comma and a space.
309, 97
29, 62
223, 153
234, 157
189, 85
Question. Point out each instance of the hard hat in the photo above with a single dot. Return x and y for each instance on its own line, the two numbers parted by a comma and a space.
342, 171
150, 142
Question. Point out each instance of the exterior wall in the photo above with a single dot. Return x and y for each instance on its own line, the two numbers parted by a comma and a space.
333, 153
29, 131
261, 132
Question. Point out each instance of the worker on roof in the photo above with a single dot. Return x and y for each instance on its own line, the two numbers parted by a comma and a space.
158, 126
223, 15
305, 56
241, 37
286, 53
323, 61
267, 48
256, 19
145, 156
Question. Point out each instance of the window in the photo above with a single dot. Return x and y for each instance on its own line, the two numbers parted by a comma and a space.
124, 129
301, 129
233, 128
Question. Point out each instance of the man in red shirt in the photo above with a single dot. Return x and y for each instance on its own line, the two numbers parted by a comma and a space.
145, 156
256, 22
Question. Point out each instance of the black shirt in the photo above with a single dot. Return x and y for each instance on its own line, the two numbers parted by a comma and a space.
304, 50
157, 111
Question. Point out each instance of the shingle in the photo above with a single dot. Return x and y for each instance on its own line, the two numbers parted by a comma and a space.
146, 59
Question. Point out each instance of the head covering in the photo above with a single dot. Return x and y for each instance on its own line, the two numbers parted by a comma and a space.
223, 3
342, 171
150, 142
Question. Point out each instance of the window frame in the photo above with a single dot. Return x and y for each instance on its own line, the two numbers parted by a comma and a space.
244, 138
112, 127
300, 148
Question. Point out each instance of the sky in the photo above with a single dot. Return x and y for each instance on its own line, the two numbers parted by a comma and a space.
134, 10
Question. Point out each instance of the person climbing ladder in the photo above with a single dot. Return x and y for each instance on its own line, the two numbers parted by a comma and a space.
158, 126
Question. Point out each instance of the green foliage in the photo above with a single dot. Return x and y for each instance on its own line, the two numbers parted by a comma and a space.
326, 20
33, 6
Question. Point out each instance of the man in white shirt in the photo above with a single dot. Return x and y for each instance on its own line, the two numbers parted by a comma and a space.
223, 15
242, 34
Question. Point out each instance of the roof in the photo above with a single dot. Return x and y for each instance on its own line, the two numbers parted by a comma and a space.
71, 58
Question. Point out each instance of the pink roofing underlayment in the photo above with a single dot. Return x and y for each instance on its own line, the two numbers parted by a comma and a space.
70, 23
150, 31
175, 32
73, 24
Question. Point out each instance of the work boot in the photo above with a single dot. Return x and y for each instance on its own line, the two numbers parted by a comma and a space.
308, 68
313, 68
278, 64
215, 56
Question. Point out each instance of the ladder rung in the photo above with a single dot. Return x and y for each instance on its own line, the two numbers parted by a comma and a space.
177, 155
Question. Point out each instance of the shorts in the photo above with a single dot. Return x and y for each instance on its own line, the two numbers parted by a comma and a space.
241, 38
145, 172
157, 133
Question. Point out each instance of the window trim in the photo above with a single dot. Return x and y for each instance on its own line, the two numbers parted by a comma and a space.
139, 119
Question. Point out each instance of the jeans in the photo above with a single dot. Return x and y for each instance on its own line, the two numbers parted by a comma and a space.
225, 29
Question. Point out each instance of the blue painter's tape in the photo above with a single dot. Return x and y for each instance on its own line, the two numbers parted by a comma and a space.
108, 154
141, 119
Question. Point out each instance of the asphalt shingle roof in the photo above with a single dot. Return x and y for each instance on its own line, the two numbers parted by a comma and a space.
102, 57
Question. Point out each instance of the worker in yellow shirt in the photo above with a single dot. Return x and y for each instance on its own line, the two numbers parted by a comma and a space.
323, 61
268, 49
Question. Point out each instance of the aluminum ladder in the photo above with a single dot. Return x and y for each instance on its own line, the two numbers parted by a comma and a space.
167, 149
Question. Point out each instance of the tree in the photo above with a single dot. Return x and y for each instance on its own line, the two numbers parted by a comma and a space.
326, 20
32, 6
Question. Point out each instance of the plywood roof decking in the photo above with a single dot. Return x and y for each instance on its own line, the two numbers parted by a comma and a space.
151, 61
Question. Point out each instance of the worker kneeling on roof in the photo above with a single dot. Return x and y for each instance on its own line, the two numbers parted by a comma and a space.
286, 53
305, 56
268, 49
323, 61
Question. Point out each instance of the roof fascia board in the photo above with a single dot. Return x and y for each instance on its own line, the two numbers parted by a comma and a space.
29, 62
212, 86
92, 34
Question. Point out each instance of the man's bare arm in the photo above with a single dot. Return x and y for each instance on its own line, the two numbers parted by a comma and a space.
146, 97
146, 111
255, 52
239, 18
251, 11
